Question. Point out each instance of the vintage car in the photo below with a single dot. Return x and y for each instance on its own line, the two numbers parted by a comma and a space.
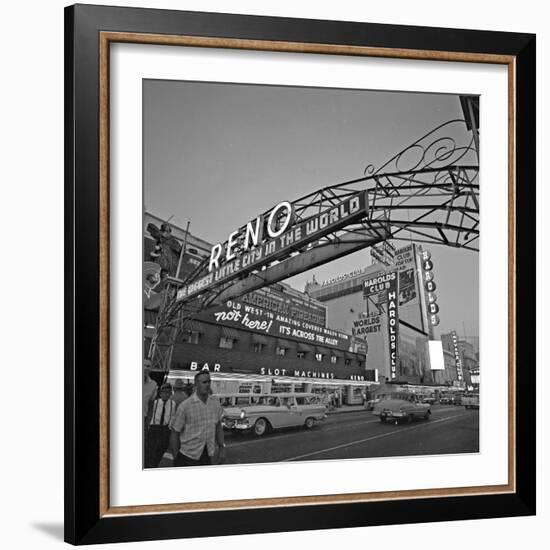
430, 399
401, 407
372, 402
471, 400
268, 412
237, 399
451, 399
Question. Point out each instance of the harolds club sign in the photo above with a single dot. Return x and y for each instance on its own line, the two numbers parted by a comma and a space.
393, 324
269, 238
388, 283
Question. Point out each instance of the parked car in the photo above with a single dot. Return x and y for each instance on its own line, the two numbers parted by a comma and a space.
430, 399
451, 399
471, 401
372, 402
237, 399
268, 412
401, 407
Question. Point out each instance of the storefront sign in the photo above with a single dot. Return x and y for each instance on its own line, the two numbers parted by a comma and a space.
212, 367
289, 326
383, 252
458, 359
378, 283
270, 298
363, 326
404, 257
407, 288
393, 324
322, 372
343, 277
302, 373
429, 287
251, 247
298, 373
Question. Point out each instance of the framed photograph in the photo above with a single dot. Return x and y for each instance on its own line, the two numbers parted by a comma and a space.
299, 260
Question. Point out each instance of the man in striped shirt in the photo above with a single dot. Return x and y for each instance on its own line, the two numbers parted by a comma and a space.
197, 434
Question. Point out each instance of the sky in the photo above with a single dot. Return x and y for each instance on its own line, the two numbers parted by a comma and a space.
217, 155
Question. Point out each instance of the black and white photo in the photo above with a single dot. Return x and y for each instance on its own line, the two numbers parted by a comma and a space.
314, 252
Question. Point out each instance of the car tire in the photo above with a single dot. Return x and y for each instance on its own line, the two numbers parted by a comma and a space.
383, 419
309, 423
410, 418
261, 426
427, 415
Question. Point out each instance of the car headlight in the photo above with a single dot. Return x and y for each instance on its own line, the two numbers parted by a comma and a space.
242, 415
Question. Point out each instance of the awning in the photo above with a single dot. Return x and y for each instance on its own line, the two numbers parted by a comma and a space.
285, 344
348, 355
305, 347
230, 333
323, 351
188, 375
259, 339
336, 353
195, 326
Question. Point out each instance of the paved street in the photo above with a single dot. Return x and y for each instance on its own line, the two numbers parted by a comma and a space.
360, 435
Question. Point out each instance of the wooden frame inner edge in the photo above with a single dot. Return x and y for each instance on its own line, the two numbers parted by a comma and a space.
105, 39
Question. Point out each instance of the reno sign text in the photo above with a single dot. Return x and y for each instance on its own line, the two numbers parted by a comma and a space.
271, 237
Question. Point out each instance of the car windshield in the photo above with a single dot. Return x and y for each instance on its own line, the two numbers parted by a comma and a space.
402, 396
241, 401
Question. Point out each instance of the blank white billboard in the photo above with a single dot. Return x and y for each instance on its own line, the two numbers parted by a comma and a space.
436, 355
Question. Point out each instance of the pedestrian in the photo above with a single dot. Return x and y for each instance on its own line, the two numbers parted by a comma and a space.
158, 434
180, 393
188, 389
149, 394
197, 436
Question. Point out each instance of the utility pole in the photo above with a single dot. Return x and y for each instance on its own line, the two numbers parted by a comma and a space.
183, 249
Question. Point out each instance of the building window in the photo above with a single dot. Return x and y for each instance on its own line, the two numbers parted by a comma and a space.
193, 337
226, 343
280, 351
319, 357
257, 347
347, 362
333, 359
301, 355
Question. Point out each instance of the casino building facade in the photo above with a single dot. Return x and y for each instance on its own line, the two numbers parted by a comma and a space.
272, 339
392, 308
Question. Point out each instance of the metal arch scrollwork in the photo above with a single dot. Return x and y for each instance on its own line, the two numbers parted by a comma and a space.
437, 149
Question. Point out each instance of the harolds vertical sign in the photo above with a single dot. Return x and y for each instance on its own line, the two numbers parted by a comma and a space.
393, 322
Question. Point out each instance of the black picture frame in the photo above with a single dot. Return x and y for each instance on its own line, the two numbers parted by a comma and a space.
88, 519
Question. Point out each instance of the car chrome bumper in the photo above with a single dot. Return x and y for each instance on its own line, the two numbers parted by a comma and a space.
391, 414
238, 424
